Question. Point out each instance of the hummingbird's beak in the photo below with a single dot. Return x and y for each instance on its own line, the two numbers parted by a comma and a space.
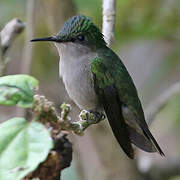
52, 38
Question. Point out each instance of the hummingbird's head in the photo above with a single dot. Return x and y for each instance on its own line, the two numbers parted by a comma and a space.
78, 29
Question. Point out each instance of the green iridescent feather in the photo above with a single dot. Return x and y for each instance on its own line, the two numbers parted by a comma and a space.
81, 25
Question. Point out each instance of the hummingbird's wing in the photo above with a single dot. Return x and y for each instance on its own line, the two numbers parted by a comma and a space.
122, 101
108, 96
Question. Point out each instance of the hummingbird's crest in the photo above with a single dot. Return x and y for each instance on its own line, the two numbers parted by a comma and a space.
78, 29
75, 25
81, 26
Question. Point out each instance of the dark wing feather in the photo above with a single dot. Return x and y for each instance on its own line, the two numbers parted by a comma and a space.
108, 97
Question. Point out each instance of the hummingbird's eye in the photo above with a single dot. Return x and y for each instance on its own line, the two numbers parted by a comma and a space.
80, 37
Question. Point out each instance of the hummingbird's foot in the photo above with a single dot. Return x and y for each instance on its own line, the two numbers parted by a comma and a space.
99, 115
87, 118
92, 117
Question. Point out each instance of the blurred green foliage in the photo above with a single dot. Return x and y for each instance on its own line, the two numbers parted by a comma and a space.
137, 19
134, 19
175, 178
10, 9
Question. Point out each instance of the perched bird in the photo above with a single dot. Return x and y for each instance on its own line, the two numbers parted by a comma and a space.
97, 80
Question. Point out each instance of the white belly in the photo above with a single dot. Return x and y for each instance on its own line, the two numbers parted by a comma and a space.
78, 80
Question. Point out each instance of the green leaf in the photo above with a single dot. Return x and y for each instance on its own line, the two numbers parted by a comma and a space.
23, 146
17, 90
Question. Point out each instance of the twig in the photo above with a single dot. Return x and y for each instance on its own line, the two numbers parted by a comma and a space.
160, 102
10, 32
163, 171
7, 35
78, 127
44, 108
109, 13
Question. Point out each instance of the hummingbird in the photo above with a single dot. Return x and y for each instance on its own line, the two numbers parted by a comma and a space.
97, 81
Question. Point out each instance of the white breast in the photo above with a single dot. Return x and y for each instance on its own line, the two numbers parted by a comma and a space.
75, 71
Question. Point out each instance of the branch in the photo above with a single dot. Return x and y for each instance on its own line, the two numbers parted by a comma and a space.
109, 13
10, 31
161, 101
163, 171
44, 108
7, 36
78, 127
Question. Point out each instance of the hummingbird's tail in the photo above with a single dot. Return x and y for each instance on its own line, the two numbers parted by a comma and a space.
140, 140
139, 133
152, 139
144, 141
